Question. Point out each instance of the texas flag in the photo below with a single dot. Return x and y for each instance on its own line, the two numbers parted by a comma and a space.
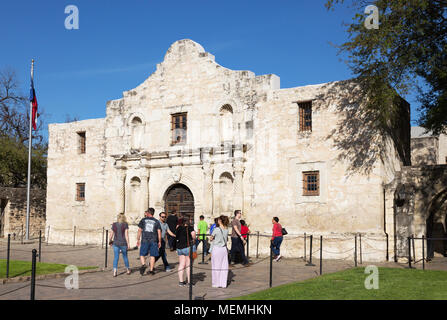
33, 100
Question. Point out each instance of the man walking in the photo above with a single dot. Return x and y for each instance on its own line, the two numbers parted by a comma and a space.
164, 231
172, 221
237, 242
149, 239
203, 227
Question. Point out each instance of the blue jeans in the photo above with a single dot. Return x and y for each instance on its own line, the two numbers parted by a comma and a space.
116, 251
162, 254
276, 244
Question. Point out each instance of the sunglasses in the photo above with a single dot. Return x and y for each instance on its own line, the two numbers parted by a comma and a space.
163, 217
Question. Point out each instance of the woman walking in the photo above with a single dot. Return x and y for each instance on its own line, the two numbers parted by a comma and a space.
219, 254
276, 238
184, 236
119, 238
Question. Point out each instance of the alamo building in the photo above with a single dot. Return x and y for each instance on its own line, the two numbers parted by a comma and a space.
206, 140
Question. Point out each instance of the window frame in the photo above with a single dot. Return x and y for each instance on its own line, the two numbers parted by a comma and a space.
82, 142
305, 125
183, 124
306, 191
79, 191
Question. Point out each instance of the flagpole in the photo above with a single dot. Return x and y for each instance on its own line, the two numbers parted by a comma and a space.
29, 158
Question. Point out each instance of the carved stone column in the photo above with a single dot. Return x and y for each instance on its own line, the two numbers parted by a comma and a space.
238, 186
122, 191
145, 190
208, 189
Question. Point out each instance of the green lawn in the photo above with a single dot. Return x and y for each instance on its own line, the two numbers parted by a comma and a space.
23, 268
394, 284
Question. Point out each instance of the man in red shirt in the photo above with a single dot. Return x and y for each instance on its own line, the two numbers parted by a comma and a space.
276, 238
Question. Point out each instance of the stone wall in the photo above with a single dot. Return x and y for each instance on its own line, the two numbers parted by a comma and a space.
425, 151
14, 209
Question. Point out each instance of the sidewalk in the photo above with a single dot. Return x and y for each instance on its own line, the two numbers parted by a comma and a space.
163, 285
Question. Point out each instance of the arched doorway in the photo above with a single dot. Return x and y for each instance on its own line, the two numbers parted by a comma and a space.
437, 225
179, 198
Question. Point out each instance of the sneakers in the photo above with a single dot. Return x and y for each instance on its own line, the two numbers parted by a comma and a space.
152, 272
278, 258
142, 269
115, 272
182, 284
168, 269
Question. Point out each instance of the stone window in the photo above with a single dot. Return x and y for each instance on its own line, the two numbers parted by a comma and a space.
80, 191
178, 128
311, 183
305, 115
81, 142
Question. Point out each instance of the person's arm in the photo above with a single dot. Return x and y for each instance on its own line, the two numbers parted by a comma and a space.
170, 233
111, 236
127, 237
139, 236
159, 237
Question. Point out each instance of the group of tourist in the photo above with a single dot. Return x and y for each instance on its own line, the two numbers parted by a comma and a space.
181, 236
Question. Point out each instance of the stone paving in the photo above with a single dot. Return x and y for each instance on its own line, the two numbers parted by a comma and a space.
162, 285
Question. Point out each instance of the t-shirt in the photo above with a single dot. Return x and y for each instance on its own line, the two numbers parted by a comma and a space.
181, 236
236, 223
150, 227
220, 237
119, 231
277, 230
164, 227
202, 226
172, 222
244, 231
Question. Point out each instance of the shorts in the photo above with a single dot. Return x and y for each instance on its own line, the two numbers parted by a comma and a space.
185, 251
149, 248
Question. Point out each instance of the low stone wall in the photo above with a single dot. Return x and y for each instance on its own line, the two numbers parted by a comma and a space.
15, 211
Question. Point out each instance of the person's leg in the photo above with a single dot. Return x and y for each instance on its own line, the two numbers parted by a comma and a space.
242, 252
233, 249
279, 245
275, 247
125, 258
144, 250
153, 248
181, 267
116, 255
162, 254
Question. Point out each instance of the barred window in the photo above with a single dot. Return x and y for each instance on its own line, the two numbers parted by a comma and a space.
178, 128
305, 115
80, 191
81, 142
311, 183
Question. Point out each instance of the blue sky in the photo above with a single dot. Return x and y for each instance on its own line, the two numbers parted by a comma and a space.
119, 43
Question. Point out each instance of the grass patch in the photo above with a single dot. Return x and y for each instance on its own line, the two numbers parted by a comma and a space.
23, 268
394, 284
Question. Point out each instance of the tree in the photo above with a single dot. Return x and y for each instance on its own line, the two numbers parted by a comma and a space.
14, 132
408, 51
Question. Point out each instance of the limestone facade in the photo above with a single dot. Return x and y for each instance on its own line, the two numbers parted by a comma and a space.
244, 149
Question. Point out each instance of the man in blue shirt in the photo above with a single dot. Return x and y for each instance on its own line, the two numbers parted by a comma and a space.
149, 239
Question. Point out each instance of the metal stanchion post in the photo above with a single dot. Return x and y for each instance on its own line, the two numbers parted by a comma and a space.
190, 271
74, 236
21, 235
203, 249
7, 255
248, 246
355, 252
423, 252
409, 252
310, 264
387, 249
107, 247
321, 255
271, 265
48, 236
257, 246
40, 245
305, 246
102, 242
33, 274
414, 250
360, 247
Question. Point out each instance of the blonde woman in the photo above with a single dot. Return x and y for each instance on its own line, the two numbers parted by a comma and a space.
119, 238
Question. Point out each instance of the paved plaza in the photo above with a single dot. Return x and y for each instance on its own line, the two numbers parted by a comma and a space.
162, 285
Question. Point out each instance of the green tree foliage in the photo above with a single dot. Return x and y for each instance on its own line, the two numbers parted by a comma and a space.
14, 131
408, 51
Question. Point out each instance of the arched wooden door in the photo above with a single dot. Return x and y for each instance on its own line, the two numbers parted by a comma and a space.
180, 198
